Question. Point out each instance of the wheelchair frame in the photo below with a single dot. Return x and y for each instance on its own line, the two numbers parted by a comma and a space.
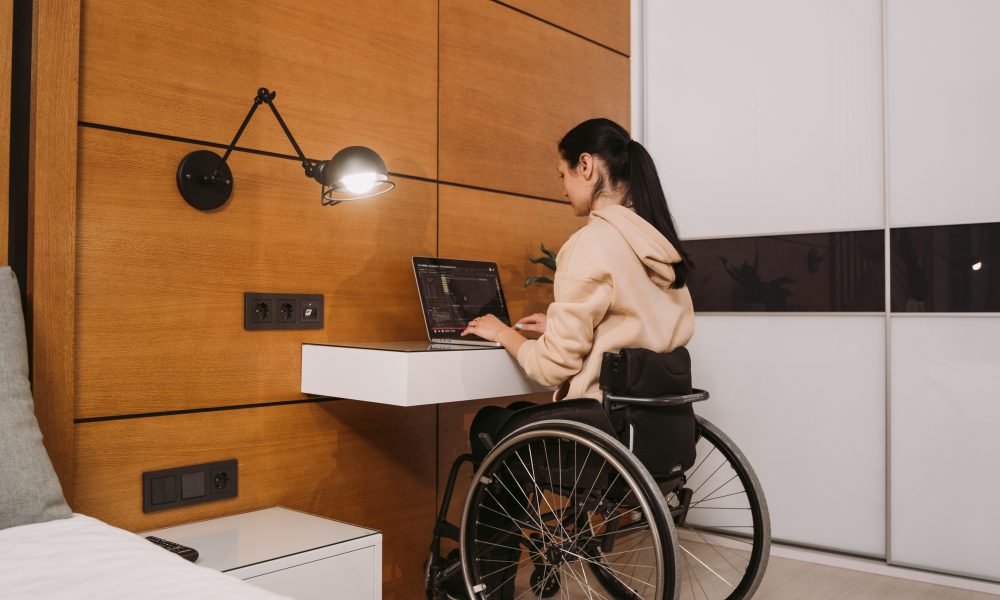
444, 577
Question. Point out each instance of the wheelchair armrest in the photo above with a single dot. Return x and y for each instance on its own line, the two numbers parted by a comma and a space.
696, 395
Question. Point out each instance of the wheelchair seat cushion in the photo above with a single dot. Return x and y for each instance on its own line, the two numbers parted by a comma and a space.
497, 423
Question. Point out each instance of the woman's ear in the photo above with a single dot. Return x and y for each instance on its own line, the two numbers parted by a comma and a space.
586, 165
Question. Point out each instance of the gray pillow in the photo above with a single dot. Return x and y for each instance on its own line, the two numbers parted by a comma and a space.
29, 489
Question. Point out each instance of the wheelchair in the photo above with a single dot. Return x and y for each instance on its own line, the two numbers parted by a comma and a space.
629, 498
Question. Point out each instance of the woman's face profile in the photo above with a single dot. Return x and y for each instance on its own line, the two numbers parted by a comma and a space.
576, 186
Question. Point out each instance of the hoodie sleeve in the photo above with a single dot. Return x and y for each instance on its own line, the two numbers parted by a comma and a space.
580, 304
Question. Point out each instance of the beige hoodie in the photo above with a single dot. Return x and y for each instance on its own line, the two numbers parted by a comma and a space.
612, 291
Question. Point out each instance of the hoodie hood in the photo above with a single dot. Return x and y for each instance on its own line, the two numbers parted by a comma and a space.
655, 252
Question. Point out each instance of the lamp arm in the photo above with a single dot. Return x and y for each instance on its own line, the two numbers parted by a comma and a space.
306, 163
264, 96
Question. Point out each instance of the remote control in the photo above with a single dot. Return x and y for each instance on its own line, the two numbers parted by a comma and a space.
183, 551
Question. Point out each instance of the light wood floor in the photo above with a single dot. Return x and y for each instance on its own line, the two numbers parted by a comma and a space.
788, 579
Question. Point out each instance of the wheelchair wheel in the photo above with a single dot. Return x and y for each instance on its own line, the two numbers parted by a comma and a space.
544, 505
722, 522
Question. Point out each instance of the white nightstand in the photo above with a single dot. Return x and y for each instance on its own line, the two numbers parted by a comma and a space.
288, 552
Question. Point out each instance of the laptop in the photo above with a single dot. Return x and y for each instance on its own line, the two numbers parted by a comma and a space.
453, 292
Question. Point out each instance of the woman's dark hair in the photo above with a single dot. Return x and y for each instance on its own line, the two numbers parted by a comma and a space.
629, 166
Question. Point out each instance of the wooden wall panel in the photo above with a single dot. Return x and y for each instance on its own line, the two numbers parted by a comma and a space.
508, 230
511, 87
6, 30
367, 464
52, 187
604, 21
160, 287
347, 73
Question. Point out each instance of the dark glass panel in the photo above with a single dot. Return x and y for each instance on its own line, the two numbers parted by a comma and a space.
946, 268
815, 272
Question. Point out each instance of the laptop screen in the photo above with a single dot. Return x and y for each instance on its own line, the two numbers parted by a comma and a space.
453, 292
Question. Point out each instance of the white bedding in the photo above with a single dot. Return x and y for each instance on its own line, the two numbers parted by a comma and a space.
82, 558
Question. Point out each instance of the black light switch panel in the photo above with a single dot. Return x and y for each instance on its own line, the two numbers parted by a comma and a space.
183, 486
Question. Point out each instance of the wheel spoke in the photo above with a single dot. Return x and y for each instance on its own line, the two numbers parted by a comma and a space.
698, 581
706, 499
707, 567
691, 474
735, 475
709, 478
539, 524
604, 565
534, 527
509, 565
721, 555
538, 489
747, 541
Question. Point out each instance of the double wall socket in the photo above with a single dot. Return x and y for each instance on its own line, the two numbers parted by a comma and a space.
264, 310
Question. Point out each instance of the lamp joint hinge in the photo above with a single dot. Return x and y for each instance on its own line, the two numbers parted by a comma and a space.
264, 96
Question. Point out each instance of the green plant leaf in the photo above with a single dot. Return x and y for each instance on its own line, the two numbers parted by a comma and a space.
531, 280
545, 260
550, 253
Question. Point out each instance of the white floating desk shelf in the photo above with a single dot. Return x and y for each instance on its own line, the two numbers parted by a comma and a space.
412, 373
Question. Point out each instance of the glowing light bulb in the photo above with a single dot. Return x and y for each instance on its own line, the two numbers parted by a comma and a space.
359, 183
977, 266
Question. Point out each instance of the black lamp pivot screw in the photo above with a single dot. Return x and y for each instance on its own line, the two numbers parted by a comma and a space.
206, 182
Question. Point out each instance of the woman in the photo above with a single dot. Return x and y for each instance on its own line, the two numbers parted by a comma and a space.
621, 278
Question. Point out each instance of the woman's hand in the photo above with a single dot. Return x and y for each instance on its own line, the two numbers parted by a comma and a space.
535, 322
487, 327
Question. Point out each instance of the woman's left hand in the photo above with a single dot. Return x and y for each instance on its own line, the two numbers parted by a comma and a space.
487, 327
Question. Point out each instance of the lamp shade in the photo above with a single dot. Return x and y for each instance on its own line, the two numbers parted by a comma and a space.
354, 173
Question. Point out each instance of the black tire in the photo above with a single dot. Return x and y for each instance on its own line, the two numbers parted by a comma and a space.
725, 537
524, 488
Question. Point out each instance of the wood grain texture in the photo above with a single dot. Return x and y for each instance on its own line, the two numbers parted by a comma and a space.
367, 464
160, 284
52, 224
511, 87
604, 21
347, 73
6, 30
507, 230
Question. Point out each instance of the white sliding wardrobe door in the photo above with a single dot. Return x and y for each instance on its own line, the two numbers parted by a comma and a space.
766, 116
804, 398
943, 94
945, 444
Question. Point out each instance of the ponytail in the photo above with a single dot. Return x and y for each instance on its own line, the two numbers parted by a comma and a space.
631, 166
647, 197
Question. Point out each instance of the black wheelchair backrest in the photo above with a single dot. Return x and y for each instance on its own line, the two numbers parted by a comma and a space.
642, 373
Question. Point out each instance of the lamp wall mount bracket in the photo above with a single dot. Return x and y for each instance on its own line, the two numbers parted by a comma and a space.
204, 192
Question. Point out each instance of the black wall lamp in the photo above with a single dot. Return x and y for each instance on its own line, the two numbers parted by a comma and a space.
356, 172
